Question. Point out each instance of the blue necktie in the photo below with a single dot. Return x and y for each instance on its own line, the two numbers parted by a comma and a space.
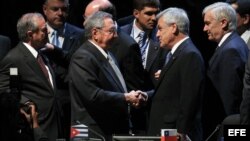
142, 44
55, 40
169, 55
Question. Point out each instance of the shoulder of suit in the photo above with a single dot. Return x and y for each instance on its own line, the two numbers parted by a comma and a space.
4, 38
72, 28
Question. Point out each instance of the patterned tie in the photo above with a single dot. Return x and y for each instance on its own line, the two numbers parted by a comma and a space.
55, 40
142, 44
43, 67
117, 72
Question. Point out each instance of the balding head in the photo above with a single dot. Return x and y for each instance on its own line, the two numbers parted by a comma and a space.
99, 5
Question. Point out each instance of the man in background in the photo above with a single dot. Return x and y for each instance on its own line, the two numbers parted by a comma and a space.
242, 8
36, 75
5, 46
226, 66
65, 37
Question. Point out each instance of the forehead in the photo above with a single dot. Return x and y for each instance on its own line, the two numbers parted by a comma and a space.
160, 22
108, 22
209, 16
57, 2
150, 9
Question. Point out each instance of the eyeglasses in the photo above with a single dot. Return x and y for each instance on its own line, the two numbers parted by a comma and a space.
109, 31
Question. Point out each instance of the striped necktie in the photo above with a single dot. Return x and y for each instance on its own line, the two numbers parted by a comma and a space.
142, 44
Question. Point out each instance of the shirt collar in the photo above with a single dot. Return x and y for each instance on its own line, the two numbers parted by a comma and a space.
224, 38
104, 53
178, 44
61, 31
136, 30
246, 35
31, 49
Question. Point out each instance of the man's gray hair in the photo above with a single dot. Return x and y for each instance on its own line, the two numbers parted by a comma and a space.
95, 21
177, 16
28, 22
222, 10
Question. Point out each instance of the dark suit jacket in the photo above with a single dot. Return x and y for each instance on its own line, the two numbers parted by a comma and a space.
226, 70
5, 46
127, 53
35, 87
245, 104
73, 38
155, 57
96, 93
177, 99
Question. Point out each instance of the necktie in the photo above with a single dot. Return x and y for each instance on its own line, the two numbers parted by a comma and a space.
55, 40
117, 71
43, 67
169, 55
142, 44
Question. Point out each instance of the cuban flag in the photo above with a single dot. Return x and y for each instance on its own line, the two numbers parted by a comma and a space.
79, 131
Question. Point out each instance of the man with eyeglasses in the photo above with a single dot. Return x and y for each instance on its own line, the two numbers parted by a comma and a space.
99, 95
66, 37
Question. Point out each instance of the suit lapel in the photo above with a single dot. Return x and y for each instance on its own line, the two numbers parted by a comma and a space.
32, 63
219, 49
105, 65
69, 38
172, 60
152, 53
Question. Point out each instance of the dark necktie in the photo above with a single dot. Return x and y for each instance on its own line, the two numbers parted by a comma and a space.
168, 57
43, 67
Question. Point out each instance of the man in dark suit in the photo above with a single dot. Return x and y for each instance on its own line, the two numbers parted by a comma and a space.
145, 20
128, 56
37, 78
124, 48
66, 37
242, 8
226, 66
99, 96
5, 46
176, 103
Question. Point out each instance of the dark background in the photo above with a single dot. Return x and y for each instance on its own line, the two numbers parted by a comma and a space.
11, 10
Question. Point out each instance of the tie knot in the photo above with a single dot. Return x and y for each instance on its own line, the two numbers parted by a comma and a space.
141, 35
54, 33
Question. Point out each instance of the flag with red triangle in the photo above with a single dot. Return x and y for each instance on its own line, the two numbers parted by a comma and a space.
78, 131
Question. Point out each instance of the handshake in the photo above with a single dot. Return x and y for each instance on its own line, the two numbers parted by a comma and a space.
136, 98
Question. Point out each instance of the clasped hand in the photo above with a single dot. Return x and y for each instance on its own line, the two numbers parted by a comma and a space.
136, 98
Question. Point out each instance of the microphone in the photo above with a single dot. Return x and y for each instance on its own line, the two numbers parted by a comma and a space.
215, 130
93, 131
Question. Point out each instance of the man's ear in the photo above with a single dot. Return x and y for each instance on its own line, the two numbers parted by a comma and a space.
246, 19
29, 34
224, 23
175, 29
136, 13
45, 9
94, 33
